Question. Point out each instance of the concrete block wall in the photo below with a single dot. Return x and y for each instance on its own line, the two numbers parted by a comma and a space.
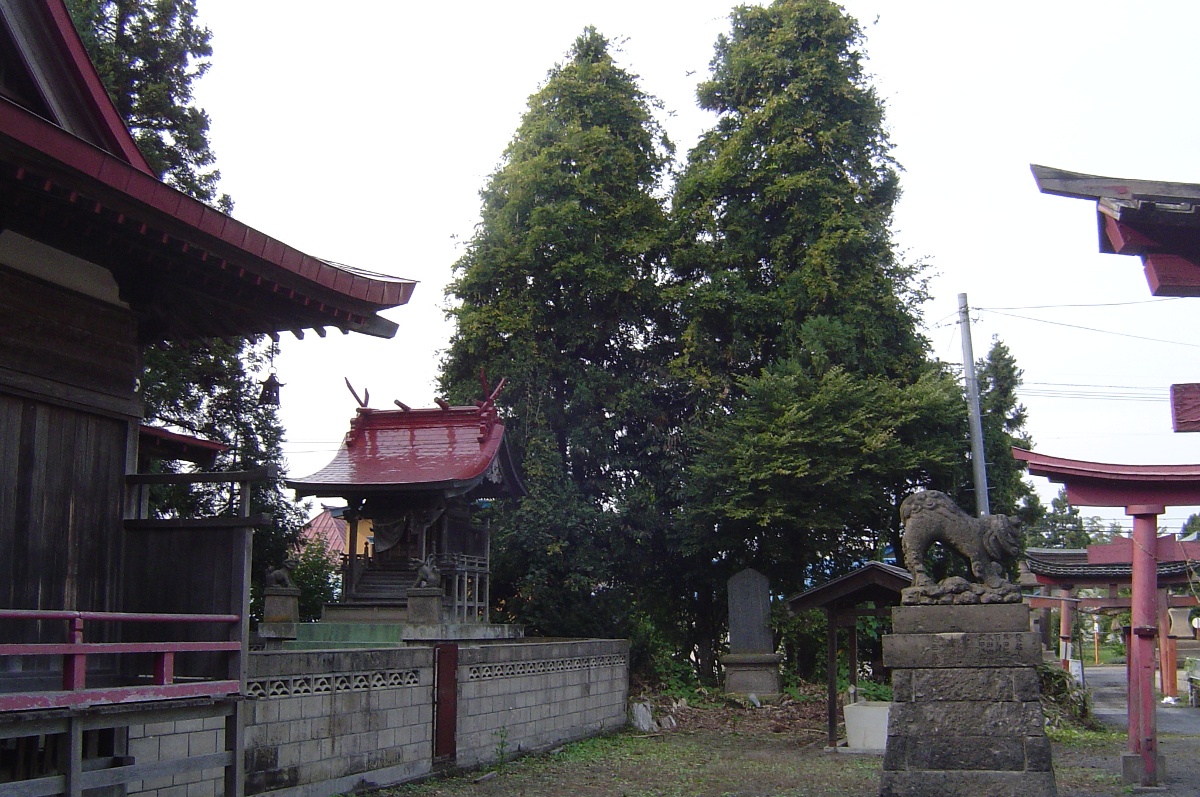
324, 722
164, 741
534, 695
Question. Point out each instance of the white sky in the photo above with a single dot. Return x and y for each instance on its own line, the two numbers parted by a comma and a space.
363, 134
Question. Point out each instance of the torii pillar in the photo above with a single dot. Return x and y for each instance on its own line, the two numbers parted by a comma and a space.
1145, 491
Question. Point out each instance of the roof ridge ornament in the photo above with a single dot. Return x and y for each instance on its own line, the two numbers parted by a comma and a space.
489, 416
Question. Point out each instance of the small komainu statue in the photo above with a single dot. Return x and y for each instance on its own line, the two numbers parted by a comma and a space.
428, 574
282, 576
930, 516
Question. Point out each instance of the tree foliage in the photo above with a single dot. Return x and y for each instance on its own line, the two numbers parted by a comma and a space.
1063, 526
211, 390
813, 404
1003, 419
148, 54
558, 293
783, 212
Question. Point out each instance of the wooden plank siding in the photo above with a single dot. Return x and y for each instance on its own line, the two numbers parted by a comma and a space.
60, 507
61, 343
67, 405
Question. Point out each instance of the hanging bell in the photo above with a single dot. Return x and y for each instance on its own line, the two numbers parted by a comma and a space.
269, 397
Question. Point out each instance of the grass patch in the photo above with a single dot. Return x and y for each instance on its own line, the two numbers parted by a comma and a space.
668, 765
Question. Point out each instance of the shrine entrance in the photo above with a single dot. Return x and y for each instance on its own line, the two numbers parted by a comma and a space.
1145, 491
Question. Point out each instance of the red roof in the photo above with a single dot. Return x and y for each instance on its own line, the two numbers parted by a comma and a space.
330, 531
398, 450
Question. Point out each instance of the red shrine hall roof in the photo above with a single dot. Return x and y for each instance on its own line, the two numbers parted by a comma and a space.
454, 449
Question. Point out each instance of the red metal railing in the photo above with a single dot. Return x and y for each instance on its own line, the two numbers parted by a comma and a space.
75, 651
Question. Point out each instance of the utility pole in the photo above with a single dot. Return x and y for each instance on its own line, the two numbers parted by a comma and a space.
978, 459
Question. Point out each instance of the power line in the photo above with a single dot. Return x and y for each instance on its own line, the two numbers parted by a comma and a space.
1093, 329
1097, 304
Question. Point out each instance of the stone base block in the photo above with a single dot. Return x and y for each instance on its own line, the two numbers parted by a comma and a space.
1133, 769
967, 752
967, 784
960, 619
281, 605
752, 674
424, 605
968, 650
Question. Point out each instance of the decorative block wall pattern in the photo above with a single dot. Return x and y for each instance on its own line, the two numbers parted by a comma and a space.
536, 695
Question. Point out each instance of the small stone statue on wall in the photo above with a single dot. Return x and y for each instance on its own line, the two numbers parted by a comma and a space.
930, 516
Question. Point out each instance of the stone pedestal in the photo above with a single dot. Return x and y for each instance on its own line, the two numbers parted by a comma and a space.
281, 613
425, 605
753, 674
965, 718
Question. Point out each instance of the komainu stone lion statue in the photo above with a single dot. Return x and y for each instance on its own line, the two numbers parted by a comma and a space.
930, 516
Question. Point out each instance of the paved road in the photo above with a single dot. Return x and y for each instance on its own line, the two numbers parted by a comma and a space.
1178, 727
1109, 701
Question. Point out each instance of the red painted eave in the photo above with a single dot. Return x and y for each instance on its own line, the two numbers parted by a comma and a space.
1105, 484
1043, 465
30, 142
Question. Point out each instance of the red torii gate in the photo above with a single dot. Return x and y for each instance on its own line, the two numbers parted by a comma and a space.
1145, 491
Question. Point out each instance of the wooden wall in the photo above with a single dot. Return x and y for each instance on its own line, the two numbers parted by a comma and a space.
67, 368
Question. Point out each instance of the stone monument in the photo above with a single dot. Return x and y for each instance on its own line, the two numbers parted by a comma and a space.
965, 717
752, 665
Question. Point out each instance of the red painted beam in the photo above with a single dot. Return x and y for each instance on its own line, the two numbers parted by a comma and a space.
1185, 407
1127, 241
84, 648
1120, 551
26, 701
1171, 275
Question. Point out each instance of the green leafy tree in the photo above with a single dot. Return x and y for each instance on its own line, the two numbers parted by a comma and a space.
558, 292
814, 406
148, 54
317, 576
1191, 525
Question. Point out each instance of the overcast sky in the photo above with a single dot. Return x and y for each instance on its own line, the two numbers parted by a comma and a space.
363, 136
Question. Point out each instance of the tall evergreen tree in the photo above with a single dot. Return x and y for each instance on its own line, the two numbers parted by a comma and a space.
558, 292
149, 53
815, 407
1003, 419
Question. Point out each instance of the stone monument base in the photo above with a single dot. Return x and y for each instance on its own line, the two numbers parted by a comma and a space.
753, 674
965, 718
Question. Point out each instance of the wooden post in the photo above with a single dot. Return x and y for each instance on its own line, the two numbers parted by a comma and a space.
852, 652
352, 558
1066, 621
831, 665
